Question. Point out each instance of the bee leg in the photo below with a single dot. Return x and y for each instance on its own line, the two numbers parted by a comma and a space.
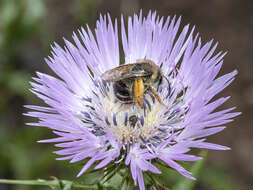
139, 91
156, 95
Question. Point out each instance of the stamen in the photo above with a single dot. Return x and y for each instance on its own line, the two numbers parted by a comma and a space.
86, 114
96, 83
114, 119
147, 102
144, 141
130, 123
107, 121
133, 120
126, 118
169, 92
86, 99
145, 110
152, 97
142, 120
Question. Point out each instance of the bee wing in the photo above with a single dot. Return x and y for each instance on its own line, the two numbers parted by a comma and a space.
119, 73
126, 71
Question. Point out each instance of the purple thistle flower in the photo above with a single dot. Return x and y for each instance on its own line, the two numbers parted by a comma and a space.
93, 125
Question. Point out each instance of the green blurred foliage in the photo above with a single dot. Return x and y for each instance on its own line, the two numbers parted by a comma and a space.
23, 21
216, 178
86, 11
20, 20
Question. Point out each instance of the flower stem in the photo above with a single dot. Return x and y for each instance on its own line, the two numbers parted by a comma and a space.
55, 183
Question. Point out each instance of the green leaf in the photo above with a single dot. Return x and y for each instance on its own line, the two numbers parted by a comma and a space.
56, 184
188, 184
100, 187
128, 184
67, 185
115, 181
91, 178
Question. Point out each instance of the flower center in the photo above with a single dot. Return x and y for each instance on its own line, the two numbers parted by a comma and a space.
129, 122
152, 123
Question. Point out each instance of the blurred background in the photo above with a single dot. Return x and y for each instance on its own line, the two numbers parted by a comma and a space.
28, 27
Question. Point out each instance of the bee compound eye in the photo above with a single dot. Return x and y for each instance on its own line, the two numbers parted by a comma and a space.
121, 91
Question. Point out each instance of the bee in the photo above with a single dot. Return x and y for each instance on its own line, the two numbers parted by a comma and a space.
131, 81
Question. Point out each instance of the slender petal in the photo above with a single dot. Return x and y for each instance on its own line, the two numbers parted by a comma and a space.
103, 122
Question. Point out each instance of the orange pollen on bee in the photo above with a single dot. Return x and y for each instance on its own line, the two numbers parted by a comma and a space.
139, 91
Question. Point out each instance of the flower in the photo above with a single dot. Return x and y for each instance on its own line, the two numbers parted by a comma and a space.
91, 122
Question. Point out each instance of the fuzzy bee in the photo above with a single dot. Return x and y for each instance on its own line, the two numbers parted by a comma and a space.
131, 81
